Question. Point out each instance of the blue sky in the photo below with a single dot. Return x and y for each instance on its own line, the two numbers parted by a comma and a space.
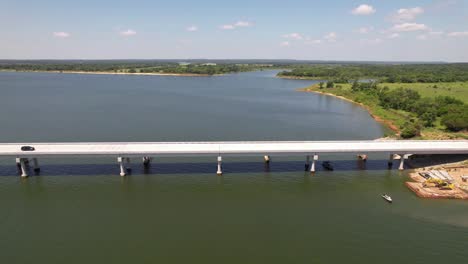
397, 30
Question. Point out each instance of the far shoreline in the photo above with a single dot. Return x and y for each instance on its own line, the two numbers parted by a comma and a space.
122, 73
301, 78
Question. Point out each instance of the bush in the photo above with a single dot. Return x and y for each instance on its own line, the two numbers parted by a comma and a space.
409, 130
456, 119
429, 118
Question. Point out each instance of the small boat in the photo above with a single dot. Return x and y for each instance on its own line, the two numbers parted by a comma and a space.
387, 198
327, 165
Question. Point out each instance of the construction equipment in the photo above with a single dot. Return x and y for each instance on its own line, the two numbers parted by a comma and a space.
447, 186
443, 185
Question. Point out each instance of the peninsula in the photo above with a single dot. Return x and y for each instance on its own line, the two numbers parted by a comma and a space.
427, 101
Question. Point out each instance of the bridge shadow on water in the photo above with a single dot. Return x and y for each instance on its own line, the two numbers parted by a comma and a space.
194, 168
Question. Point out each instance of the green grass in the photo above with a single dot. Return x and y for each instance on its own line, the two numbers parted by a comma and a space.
458, 90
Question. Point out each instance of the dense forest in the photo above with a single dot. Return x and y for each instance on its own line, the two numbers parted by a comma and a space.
133, 67
404, 73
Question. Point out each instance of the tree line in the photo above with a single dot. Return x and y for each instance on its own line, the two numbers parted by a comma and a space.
403, 73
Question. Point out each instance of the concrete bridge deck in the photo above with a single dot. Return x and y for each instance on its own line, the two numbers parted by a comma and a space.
124, 150
235, 148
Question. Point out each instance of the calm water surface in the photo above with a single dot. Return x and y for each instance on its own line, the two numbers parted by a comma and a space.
79, 211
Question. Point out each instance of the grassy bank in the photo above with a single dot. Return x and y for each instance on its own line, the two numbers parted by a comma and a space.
396, 119
458, 90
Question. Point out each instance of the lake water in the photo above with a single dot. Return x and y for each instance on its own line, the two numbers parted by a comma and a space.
80, 211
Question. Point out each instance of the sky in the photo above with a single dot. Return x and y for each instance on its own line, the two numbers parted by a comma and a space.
385, 30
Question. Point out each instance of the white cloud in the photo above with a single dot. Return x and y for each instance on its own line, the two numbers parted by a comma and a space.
458, 34
192, 28
393, 36
61, 34
236, 25
331, 37
127, 33
408, 27
363, 10
407, 14
243, 24
227, 27
295, 36
285, 44
364, 30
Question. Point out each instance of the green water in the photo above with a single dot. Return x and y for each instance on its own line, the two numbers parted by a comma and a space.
80, 211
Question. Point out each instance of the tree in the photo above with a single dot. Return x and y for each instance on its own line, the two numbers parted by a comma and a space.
355, 86
429, 118
457, 118
321, 85
330, 84
409, 130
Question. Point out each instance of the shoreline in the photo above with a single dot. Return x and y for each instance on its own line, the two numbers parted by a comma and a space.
301, 78
389, 124
122, 73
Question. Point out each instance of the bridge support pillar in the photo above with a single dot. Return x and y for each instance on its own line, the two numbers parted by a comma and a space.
267, 159
219, 171
146, 161
128, 165
314, 160
390, 160
36, 165
18, 163
24, 169
402, 162
307, 164
121, 161
363, 157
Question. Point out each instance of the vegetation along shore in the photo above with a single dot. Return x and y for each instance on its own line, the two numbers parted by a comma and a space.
415, 101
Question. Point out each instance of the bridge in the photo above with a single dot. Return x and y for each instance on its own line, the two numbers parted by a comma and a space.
123, 151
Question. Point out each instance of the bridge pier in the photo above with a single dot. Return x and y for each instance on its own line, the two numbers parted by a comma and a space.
267, 159
18, 163
390, 160
128, 165
314, 160
37, 169
362, 157
220, 171
121, 161
146, 161
402, 162
23, 166
307, 164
